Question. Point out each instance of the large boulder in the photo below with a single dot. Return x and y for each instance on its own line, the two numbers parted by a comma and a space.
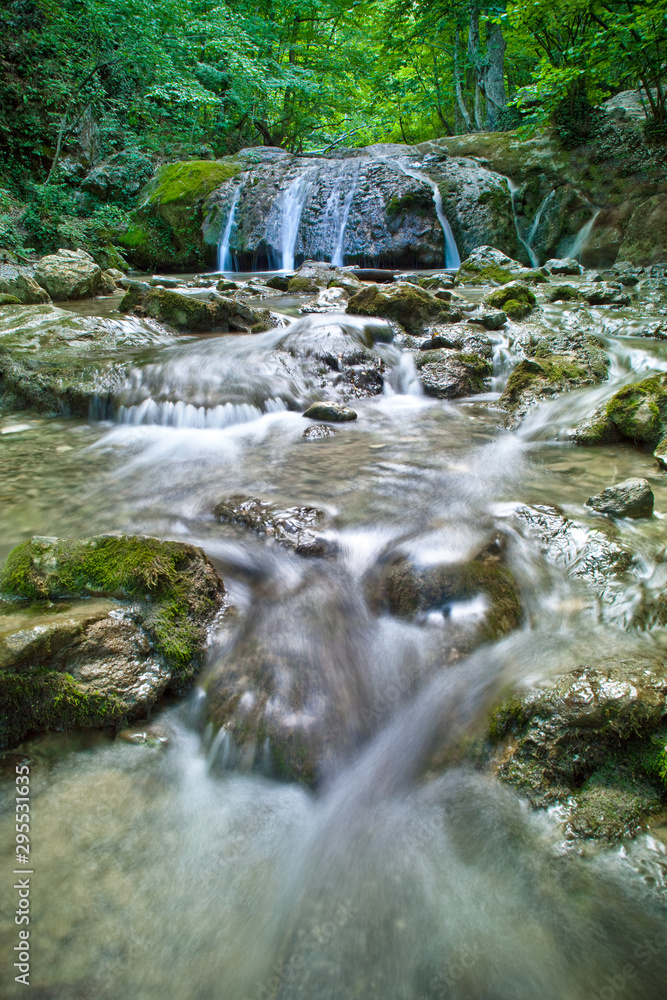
119, 177
411, 306
514, 298
192, 314
488, 266
96, 630
645, 239
592, 742
637, 413
166, 228
69, 274
20, 283
631, 498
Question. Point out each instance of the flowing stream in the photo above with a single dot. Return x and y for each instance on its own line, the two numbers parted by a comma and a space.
180, 869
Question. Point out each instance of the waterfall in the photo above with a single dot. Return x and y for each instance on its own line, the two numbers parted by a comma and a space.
337, 253
532, 233
583, 236
532, 256
293, 201
225, 262
452, 258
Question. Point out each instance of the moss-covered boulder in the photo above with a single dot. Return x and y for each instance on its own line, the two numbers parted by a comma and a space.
334, 412
645, 239
411, 306
191, 314
94, 631
636, 413
20, 283
166, 228
515, 298
448, 374
593, 742
555, 363
488, 266
564, 293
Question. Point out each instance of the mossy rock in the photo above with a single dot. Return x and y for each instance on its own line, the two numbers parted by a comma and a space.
593, 741
564, 293
514, 298
639, 411
300, 285
408, 590
190, 314
448, 374
645, 239
175, 583
9, 300
539, 377
488, 266
411, 306
166, 229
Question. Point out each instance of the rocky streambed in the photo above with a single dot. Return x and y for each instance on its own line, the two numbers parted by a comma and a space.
333, 612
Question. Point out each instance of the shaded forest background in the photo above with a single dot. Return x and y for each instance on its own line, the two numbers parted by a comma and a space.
137, 82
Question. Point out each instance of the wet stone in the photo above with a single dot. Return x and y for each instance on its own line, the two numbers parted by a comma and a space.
295, 527
318, 432
335, 412
631, 498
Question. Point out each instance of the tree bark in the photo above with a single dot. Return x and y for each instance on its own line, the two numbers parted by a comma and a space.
494, 76
457, 85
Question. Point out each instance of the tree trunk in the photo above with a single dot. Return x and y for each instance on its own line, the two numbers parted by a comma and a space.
475, 60
494, 76
457, 85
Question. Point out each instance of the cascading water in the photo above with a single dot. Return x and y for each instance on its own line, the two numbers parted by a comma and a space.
338, 251
582, 238
293, 201
225, 259
532, 233
452, 257
532, 256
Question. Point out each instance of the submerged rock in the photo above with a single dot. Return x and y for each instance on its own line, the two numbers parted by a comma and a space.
450, 374
631, 498
488, 266
515, 298
69, 274
193, 315
335, 412
592, 742
294, 527
318, 432
95, 663
411, 306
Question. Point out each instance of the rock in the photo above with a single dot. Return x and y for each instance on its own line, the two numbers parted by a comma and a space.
119, 177
564, 293
227, 286
56, 361
107, 284
294, 527
605, 294
334, 412
167, 229
190, 314
159, 281
631, 498
450, 374
20, 283
407, 590
591, 743
279, 282
318, 432
347, 282
488, 266
637, 413
435, 282
328, 300
514, 298
69, 274
565, 266
9, 300
555, 363
645, 239
462, 337
494, 320
98, 662
408, 305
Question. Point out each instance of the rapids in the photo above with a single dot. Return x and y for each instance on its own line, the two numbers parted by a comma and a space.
184, 869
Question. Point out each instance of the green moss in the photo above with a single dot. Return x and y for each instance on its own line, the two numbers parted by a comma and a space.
410, 306
49, 700
565, 293
510, 715
9, 300
514, 292
188, 182
162, 575
414, 202
639, 411
302, 285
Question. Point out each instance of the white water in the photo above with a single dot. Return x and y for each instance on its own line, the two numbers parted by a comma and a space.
338, 251
536, 222
583, 236
293, 201
452, 256
225, 261
532, 256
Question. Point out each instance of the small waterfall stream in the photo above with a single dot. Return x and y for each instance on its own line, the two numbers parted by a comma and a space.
225, 259
452, 257
293, 201
582, 238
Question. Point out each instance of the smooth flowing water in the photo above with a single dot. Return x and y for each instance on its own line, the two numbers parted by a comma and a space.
175, 869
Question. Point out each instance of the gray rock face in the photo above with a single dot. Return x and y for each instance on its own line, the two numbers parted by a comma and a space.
69, 274
20, 282
363, 209
631, 498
